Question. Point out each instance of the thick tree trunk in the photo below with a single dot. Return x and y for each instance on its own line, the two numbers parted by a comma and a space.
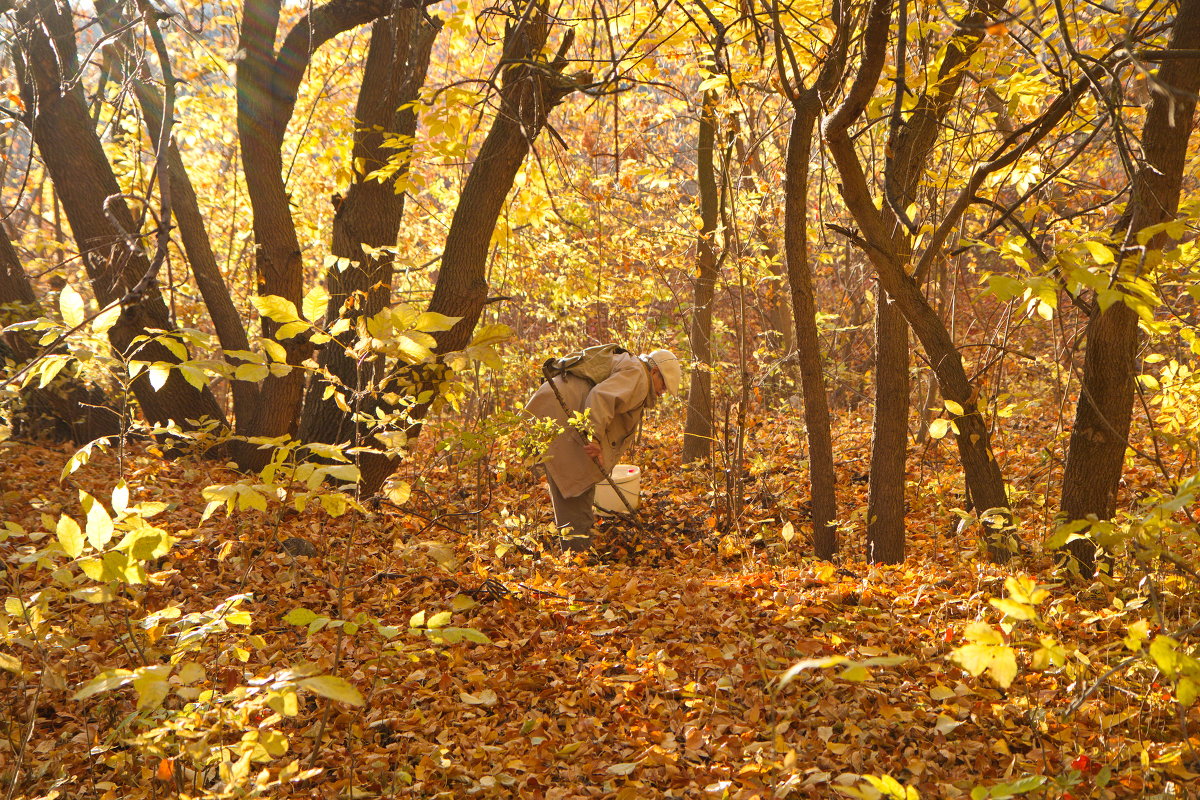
84, 182
369, 216
532, 85
267, 84
262, 120
1102, 416
698, 430
193, 233
804, 314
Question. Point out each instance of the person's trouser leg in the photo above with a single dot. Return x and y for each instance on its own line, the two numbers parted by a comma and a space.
574, 517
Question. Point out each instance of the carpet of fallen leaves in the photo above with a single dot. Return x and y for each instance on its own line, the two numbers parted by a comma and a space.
650, 669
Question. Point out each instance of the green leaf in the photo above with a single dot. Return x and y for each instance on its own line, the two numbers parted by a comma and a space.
334, 688
69, 536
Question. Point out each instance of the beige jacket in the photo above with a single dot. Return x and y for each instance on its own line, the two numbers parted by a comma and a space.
616, 405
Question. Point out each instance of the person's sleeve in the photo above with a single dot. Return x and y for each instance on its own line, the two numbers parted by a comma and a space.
619, 393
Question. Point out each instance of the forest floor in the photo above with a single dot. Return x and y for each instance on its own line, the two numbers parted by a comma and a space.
655, 668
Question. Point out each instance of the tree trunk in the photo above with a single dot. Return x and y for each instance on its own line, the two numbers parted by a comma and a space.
532, 84
369, 216
698, 430
193, 233
806, 107
84, 181
279, 270
267, 84
889, 435
888, 246
1096, 454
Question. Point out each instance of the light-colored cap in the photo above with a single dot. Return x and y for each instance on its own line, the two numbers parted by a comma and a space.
668, 365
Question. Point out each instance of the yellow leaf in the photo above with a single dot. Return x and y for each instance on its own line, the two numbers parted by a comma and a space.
1012, 608
70, 304
276, 308
334, 688
104, 321
315, 303
99, 525
151, 685
69, 536
1101, 254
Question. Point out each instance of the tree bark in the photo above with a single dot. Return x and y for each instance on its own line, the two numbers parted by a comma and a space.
227, 322
698, 429
532, 84
279, 270
817, 424
888, 246
1099, 437
807, 103
84, 181
369, 216
889, 435
267, 83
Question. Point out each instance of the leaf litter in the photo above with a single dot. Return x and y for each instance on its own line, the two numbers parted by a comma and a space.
711, 661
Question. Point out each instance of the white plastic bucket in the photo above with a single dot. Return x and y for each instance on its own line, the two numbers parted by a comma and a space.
628, 480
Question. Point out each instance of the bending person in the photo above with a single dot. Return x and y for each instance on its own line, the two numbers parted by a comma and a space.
575, 463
